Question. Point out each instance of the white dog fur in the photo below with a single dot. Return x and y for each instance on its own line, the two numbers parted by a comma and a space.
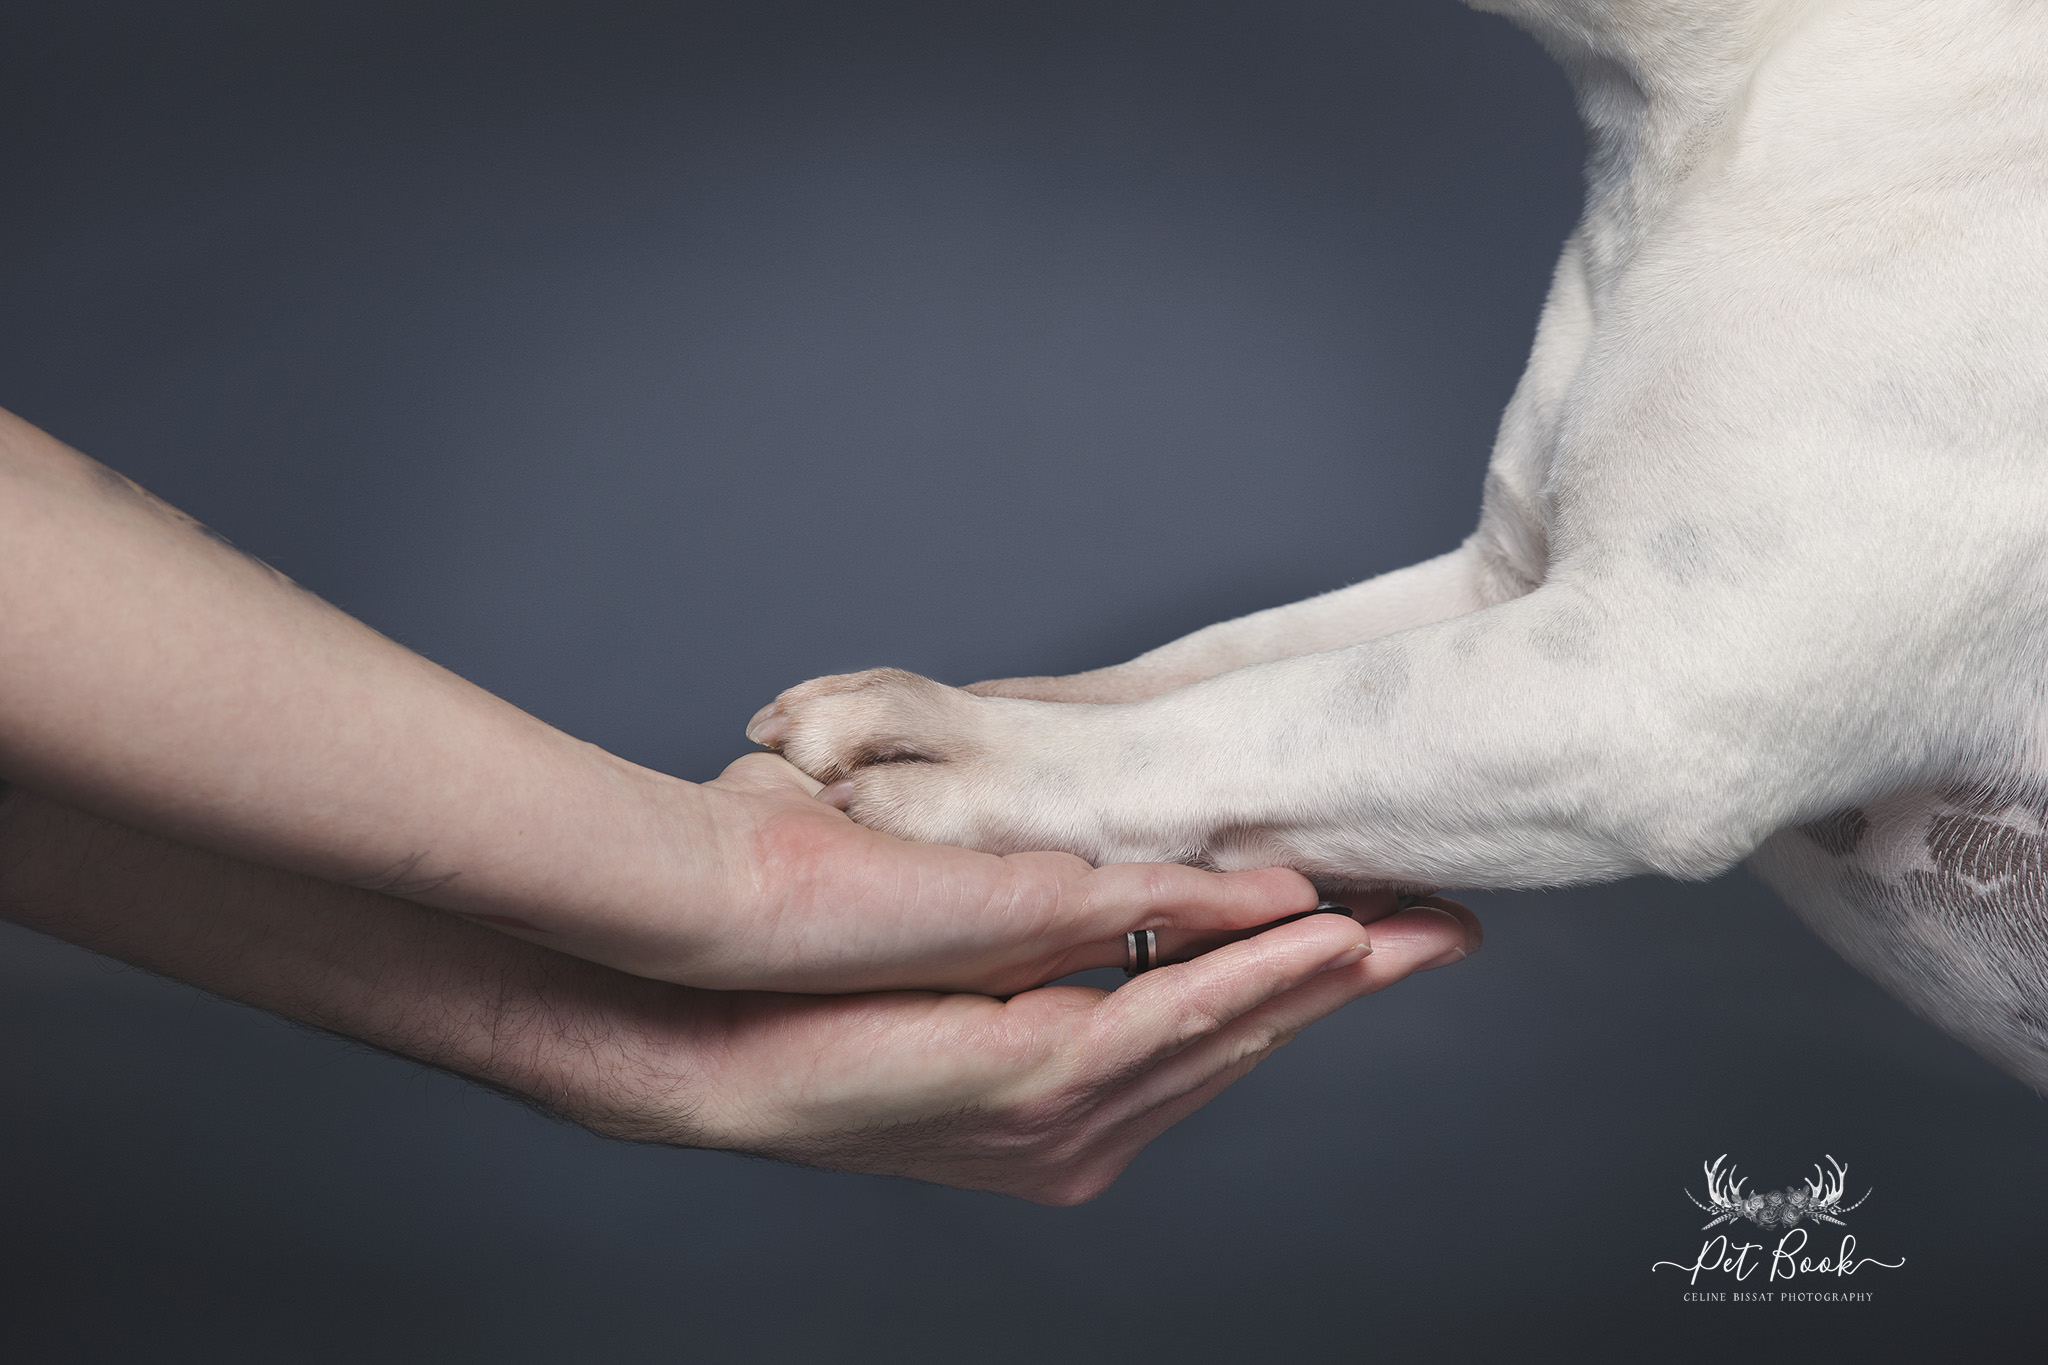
1761, 571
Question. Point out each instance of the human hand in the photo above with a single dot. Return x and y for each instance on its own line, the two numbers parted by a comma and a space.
811, 901
1047, 1096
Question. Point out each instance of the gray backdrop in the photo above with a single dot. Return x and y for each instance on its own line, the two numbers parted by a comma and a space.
637, 360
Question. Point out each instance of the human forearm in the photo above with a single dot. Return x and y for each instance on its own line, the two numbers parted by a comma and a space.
154, 676
162, 679
403, 978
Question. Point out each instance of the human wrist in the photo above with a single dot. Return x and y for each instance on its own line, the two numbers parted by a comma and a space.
710, 875
605, 1049
620, 869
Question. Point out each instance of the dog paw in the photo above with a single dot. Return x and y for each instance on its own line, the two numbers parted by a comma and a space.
897, 752
834, 726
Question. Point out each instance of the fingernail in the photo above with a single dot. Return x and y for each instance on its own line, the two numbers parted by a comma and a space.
1357, 952
1449, 955
1464, 929
768, 726
839, 794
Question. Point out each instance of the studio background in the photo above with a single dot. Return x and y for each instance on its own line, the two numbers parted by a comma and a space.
638, 360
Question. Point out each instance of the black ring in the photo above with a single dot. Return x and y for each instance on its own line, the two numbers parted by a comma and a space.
1141, 951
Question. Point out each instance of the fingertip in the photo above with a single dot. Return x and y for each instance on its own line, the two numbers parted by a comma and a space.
1468, 923
1425, 936
1175, 895
1272, 892
1350, 956
1220, 985
1279, 880
1317, 944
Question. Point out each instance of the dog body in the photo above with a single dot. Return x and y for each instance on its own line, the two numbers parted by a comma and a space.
1761, 571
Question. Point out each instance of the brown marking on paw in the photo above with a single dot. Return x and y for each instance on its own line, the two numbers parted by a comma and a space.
1840, 834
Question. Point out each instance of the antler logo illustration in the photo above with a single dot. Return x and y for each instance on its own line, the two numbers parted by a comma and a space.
1820, 1199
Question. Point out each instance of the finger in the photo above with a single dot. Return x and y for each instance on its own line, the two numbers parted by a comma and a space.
1448, 930
1161, 1013
1365, 907
1416, 940
768, 774
1166, 1010
1125, 896
1185, 945
1179, 941
1191, 910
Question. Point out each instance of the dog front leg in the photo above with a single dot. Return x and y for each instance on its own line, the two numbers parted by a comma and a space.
1553, 739
1433, 590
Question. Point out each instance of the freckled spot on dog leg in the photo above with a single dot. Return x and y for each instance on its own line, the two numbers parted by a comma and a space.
1135, 754
1841, 833
1565, 636
1469, 632
1289, 748
1383, 675
1984, 849
1055, 782
1681, 552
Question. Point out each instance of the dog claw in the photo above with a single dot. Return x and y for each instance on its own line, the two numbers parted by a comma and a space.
769, 727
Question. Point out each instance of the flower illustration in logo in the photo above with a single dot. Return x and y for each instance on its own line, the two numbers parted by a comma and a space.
1819, 1199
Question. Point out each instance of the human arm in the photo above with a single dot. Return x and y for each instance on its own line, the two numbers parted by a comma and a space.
156, 677
1047, 1095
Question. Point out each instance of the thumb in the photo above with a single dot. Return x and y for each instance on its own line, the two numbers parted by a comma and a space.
766, 774
1124, 896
